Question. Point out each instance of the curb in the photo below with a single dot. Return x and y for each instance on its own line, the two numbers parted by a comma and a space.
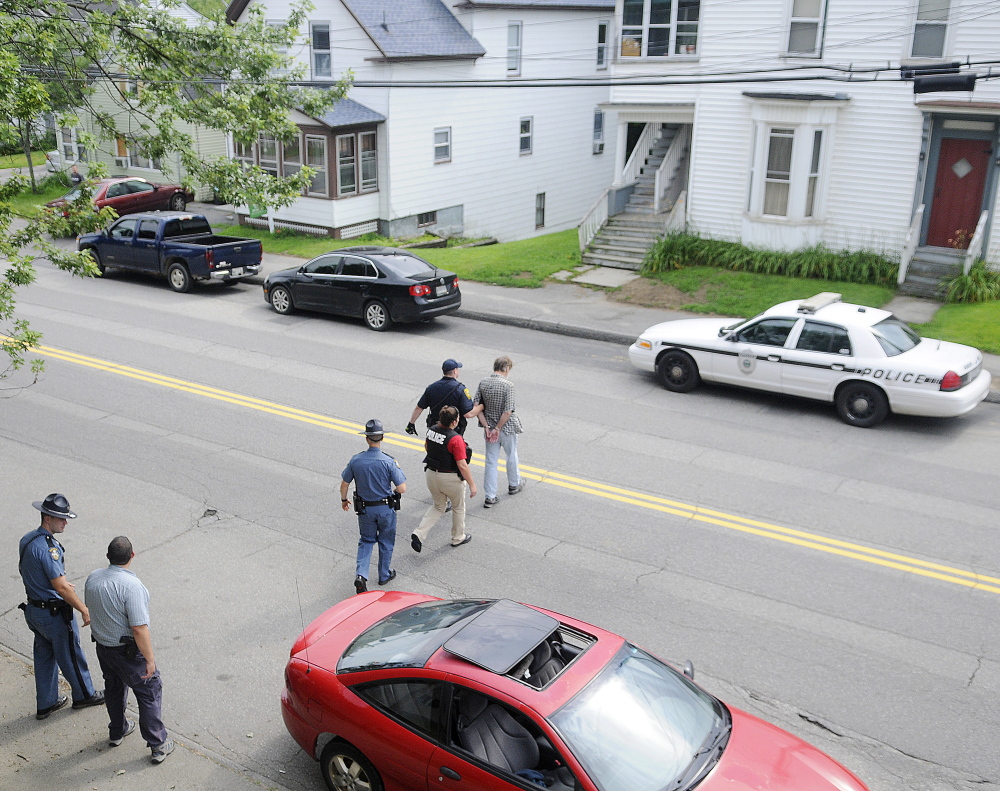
993, 397
555, 327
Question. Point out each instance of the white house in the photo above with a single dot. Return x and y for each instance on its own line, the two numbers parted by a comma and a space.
793, 123
472, 148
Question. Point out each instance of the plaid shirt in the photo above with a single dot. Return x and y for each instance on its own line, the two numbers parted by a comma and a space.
496, 394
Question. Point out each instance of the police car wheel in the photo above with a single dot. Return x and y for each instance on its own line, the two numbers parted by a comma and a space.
861, 404
281, 300
345, 768
377, 316
678, 371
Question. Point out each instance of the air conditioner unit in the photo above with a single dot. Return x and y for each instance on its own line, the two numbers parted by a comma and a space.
598, 147
122, 162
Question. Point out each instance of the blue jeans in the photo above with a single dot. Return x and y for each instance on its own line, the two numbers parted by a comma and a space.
122, 674
57, 647
509, 444
377, 525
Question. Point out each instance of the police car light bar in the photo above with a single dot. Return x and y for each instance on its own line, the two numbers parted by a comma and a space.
821, 300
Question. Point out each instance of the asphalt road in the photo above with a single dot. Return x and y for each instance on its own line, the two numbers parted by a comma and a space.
820, 576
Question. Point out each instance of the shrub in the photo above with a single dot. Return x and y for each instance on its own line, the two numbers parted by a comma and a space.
678, 250
980, 285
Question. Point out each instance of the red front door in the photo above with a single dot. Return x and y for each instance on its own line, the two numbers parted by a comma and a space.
958, 192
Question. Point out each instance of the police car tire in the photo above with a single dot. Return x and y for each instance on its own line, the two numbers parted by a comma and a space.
377, 316
678, 371
281, 300
338, 756
178, 278
861, 404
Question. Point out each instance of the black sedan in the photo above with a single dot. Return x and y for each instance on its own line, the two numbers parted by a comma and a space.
382, 285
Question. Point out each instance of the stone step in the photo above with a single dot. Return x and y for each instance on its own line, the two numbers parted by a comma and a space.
621, 258
920, 290
651, 226
630, 239
939, 255
933, 269
613, 263
599, 245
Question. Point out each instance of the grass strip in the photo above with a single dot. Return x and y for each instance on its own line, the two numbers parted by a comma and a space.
974, 325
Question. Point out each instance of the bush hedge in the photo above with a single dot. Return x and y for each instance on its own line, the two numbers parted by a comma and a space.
678, 250
980, 285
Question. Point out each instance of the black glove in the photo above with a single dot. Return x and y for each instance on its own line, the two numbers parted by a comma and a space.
411, 429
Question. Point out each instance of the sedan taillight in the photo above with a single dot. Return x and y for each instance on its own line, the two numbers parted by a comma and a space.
420, 291
454, 283
951, 381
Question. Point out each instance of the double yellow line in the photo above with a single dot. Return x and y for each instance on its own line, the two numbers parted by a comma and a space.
846, 549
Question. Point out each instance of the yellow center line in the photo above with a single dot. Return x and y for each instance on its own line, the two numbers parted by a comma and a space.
605, 491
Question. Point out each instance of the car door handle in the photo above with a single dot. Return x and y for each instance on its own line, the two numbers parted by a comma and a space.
837, 367
773, 358
450, 773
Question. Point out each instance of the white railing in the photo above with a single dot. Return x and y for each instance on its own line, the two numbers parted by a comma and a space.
910, 245
677, 219
669, 164
639, 154
976, 245
593, 221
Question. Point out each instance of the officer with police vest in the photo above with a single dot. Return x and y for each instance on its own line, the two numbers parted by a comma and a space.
447, 471
49, 613
378, 484
446, 391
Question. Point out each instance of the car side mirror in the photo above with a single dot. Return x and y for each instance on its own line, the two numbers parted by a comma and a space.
156, 188
689, 669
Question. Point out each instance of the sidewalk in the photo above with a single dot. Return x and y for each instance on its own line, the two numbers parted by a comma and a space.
70, 749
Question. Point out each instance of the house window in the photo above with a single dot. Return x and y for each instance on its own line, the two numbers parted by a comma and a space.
121, 153
442, 144
598, 131
321, 61
427, 218
805, 30
267, 153
316, 158
291, 156
602, 45
138, 158
69, 144
513, 49
525, 145
930, 29
243, 153
540, 210
275, 25
814, 172
369, 161
347, 179
659, 28
779, 172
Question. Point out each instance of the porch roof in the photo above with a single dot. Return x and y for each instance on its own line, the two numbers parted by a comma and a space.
562, 5
347, 112
797, 97
957, 105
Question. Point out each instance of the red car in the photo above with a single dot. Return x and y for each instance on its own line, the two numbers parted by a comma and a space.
396, 691
129, 195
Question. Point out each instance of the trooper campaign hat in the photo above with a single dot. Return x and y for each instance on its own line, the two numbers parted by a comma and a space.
55, 505
373, 428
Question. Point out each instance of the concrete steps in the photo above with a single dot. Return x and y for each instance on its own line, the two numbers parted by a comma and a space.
929, 270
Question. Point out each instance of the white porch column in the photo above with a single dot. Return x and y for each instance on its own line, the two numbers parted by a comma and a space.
620, 144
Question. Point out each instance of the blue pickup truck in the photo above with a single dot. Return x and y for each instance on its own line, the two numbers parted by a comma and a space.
178, 245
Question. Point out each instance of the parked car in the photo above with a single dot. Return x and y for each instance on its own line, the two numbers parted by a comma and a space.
129, 195
180, 246
382, 285
865, 360
392, 691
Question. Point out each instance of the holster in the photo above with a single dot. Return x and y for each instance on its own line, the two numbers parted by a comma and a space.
63, 609
396, 499
131, 648
359, 504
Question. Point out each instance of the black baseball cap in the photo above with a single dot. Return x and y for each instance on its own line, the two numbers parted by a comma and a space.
450, 365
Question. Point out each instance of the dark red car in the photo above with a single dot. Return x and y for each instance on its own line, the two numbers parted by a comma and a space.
396, 691
129, 195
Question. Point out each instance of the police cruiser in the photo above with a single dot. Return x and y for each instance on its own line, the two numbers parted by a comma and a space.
864, 360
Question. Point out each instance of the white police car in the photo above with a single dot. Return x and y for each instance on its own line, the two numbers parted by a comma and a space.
865, 360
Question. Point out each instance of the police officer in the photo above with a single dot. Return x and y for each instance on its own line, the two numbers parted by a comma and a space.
446, 391
378, 482
49, 613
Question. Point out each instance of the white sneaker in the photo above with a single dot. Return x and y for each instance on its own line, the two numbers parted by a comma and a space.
129, 727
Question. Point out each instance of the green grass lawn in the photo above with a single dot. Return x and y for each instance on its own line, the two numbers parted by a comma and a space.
747, 294
975, 325
29, 203
20, 160
207, 7
525, 263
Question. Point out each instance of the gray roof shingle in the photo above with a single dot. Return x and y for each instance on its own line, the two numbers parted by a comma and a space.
581, 5
412, 29
347, 112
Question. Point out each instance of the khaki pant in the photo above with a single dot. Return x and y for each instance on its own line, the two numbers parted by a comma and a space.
444, 486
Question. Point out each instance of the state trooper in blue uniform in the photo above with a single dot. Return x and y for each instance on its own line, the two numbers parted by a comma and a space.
49, 613
378, 483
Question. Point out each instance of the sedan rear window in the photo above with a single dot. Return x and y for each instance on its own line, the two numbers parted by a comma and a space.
894, 336
409, 637
407, 266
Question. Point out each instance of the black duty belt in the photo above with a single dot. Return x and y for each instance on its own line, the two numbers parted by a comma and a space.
44, 604
384, 501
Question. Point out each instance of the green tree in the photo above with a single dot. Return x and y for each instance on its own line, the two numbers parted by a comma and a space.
138, 72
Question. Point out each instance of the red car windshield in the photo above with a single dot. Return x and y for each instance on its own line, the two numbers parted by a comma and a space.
410, 637
640, 725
